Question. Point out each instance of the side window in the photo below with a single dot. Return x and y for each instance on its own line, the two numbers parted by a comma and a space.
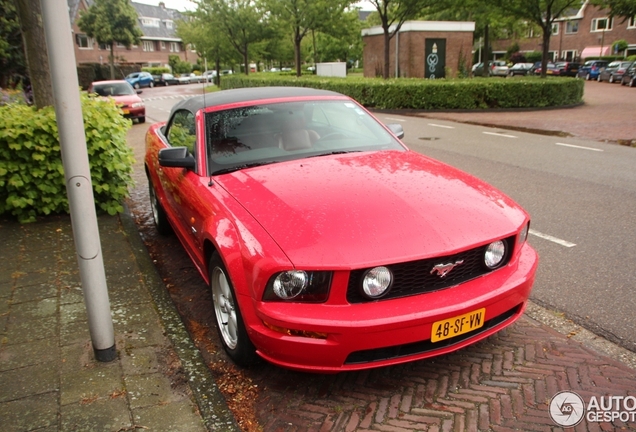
182, 132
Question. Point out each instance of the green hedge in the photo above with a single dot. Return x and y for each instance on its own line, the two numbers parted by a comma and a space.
420, 94
31, 173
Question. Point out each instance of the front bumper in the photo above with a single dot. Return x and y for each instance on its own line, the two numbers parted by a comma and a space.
389, 332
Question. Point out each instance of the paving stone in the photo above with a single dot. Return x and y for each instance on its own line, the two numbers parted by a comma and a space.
73, 312
28, 354
23, 294
140, 361
30, 413
97, 380
107, 414
28, 381
25, 329
175, 417
150, 389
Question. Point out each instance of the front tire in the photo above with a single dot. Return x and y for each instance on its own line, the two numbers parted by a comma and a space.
152, 84
136, 86
158, 213
229, 321
611, 79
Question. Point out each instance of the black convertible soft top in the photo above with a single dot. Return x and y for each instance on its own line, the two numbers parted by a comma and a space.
223, 97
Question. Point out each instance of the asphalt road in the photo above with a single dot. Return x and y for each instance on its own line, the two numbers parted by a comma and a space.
580, 193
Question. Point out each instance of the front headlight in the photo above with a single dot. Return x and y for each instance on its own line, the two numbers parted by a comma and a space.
299, 286
138, 105
495, 254
523, 234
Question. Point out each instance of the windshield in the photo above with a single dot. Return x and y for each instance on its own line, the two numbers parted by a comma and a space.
113, 89
268, 133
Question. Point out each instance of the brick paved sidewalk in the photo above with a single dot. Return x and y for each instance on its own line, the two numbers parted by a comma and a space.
503, 383
49, 379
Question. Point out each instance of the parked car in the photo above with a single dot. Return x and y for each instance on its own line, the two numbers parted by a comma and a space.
209, 75
194, 78
269, 191
520, 69
140, 79
165, 79
591, 69
498, 68
614, 71
538, 69
563, 69
184, 78
124, 95
629, 77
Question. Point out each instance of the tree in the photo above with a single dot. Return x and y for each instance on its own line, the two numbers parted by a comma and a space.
618, 8
392, 15
30, 13
242, 22
12, 60
110, 22
540, 12
303, 16
202, 30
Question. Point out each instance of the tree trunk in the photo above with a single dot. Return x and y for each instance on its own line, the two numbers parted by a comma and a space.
486, 58
111, 59
387, 58
546, 50
37, 58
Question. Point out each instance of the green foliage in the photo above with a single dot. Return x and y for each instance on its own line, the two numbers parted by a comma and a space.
12, 59
31, 173
619, 46
419, 94
156, 70
533, 56
178, 66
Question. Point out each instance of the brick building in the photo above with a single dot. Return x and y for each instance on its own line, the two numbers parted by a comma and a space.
159, 40
584, 32
422, 49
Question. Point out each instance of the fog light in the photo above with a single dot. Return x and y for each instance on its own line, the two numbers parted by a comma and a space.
495, 253
376, 282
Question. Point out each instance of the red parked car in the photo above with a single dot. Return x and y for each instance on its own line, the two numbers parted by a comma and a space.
124, 95
327, 244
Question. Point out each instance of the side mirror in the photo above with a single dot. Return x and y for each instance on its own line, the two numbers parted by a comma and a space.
178, 157
140, 91
397, 129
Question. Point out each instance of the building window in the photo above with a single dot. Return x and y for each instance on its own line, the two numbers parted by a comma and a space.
571, 27
83, 41
150, 22
601, 24
149, 46
169, 23
553, 55
119, 45
569, 55
632, 22
555, 28
163, 45
104, 47
174, 46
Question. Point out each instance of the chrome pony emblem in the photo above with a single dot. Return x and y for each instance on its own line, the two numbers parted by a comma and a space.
443, 269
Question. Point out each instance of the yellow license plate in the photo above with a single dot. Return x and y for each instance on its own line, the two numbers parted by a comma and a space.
458, 325
126, 111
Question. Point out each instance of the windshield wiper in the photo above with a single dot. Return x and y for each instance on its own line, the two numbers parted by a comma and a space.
240, 167
337, 152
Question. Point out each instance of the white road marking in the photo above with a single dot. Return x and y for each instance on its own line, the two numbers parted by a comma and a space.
579, 147
499, 134
552, 239
441, 126
394, 119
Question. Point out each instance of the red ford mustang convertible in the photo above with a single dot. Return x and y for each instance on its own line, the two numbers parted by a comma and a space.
327, 244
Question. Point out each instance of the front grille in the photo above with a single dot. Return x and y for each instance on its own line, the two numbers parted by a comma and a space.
397, 351
415, 277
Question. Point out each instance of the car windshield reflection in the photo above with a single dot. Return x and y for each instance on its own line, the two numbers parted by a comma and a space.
114, 89
256, 135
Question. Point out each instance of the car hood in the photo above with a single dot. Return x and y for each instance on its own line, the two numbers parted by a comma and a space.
363, 209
